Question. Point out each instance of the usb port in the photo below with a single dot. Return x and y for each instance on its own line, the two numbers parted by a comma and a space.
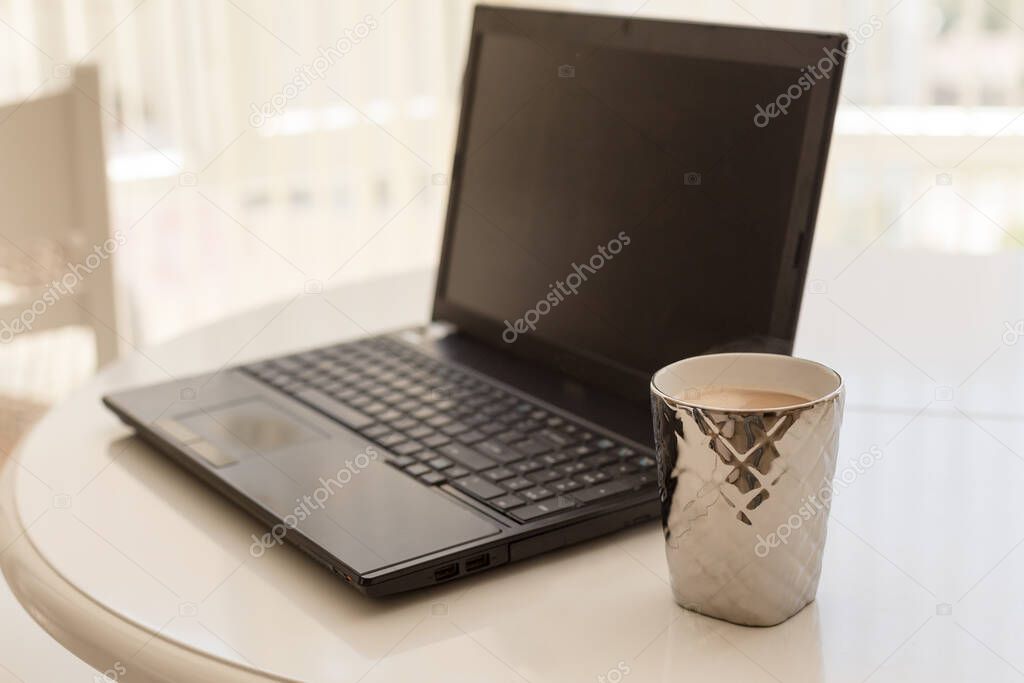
446, 572
478, 562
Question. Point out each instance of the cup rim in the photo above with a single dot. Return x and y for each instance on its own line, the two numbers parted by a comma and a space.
678, 402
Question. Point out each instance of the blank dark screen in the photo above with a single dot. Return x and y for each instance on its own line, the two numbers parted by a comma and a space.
558, 162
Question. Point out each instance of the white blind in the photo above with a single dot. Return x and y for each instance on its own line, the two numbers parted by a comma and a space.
260, 148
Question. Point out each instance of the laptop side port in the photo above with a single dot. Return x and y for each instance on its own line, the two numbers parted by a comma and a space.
478, 562
447, 572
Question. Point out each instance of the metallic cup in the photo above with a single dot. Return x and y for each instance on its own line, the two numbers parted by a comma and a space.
745, 493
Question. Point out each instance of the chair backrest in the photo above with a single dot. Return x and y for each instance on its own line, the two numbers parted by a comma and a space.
56, 248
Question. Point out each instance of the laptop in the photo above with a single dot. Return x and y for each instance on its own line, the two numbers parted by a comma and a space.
625, 193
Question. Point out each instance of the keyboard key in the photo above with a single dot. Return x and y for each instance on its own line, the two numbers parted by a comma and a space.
581, 450
517, 484
408, 448
466, 456
591, 478
565, 486
511, 436
620, 470
440, 462
644, 461
420, 432
417, 469
392, 439
454, 429
471, 437
350, 417
435, 440
527, 466
589, 495
456, 472
478, 487
552, 459
625, 452
560, 439
532, 447
530, 512
374, 408
544, 476
360, 401
377, 430
400, 460
571, 468
498, 451
537, 494
432, 478
425, 456
603, 444
439, 421
499, 473
507, 502
599, 460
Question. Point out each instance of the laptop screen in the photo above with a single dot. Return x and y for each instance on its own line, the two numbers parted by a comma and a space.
625, 207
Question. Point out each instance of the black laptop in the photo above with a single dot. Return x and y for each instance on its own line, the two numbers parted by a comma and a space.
624, 193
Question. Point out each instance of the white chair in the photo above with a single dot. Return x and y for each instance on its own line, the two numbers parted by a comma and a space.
56, 249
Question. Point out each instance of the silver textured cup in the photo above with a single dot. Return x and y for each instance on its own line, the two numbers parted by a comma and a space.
745, 493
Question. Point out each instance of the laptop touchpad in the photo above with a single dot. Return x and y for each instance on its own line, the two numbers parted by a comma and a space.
245, 428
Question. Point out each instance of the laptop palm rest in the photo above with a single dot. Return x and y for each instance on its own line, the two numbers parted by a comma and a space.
337, 489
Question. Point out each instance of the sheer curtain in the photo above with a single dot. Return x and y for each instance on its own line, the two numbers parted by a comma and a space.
260, 149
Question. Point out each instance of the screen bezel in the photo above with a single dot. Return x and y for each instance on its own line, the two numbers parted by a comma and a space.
731, 43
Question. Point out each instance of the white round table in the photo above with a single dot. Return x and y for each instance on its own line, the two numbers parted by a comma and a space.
143, 572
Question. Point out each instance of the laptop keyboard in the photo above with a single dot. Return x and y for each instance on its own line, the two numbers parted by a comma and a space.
445, 426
